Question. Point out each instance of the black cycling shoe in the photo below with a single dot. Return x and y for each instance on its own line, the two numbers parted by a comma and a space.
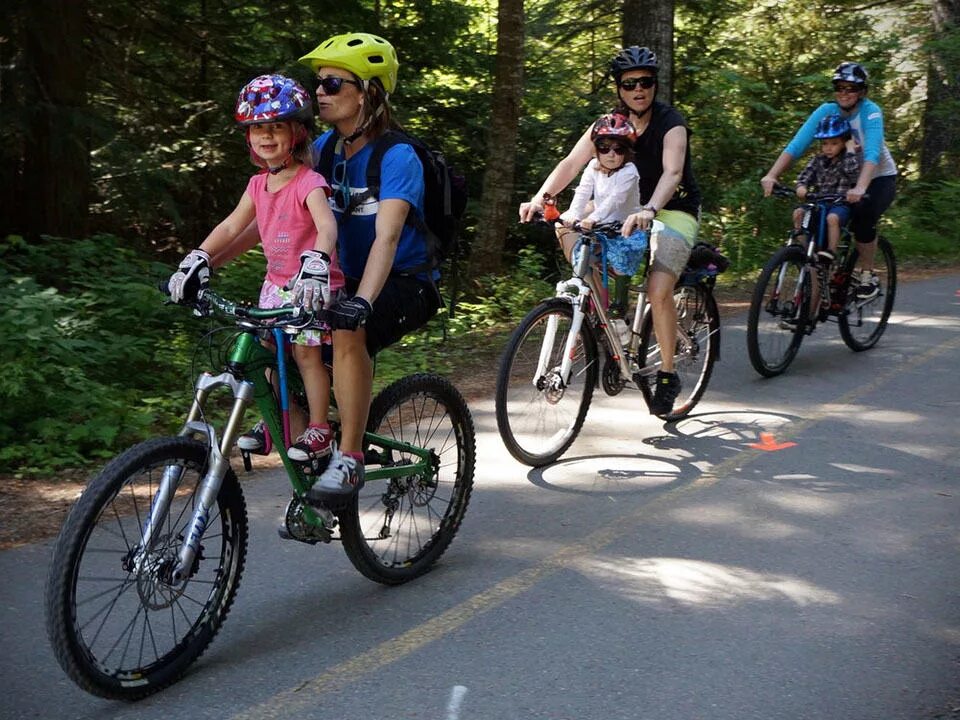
665, 392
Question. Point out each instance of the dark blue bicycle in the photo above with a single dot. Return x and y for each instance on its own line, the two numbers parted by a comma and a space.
796, 291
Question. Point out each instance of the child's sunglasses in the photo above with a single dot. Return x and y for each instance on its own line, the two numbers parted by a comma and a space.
604, 148
332, 84
645, 82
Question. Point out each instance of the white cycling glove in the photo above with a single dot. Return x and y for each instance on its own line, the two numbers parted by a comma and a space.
311, 287
192, 276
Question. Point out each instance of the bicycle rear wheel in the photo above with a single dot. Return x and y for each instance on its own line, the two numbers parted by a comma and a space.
779, 312
396, 529
697, 348
539, 416
119, 626
862, 322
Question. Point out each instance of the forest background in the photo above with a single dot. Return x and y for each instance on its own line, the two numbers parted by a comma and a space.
120, 154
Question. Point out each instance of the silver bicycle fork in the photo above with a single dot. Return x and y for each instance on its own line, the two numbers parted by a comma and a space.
217, 466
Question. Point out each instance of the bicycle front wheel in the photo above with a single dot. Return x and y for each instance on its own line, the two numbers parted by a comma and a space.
779, 312
120, 626
397, 528
695, 350
539, 413
862, 322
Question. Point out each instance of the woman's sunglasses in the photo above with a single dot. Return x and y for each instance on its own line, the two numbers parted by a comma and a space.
604, 148
846, 89
631, 84
331, 84
341, 194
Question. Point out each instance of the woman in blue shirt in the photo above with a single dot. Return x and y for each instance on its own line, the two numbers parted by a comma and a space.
382, 251
876, 186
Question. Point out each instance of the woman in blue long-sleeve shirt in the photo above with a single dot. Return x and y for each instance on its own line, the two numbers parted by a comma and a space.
876, 185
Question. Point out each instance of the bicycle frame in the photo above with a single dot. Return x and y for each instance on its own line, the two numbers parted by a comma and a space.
817, 241
254, 388
581, 292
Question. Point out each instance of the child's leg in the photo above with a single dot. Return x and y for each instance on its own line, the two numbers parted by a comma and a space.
316, 440
834, 221
797, 218
316, 381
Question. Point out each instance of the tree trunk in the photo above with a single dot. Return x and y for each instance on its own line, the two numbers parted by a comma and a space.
941, 135
650, 23
498, 206
56, 166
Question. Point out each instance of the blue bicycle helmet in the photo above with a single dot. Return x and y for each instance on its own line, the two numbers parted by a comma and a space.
832, 126
273, 98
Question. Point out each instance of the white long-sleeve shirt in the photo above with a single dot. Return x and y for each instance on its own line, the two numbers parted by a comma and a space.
614, 196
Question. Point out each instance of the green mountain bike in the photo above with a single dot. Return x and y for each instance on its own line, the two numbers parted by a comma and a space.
149, 559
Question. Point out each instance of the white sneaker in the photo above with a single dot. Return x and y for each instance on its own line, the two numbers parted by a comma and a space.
869, 285
342, 478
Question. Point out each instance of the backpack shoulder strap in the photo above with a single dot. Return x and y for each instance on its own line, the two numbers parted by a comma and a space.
324, 164
380, 147
384, 143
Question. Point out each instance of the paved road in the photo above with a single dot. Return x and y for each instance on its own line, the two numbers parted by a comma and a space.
657, 572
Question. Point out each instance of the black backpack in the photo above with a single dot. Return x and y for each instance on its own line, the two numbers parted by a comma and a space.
444, 197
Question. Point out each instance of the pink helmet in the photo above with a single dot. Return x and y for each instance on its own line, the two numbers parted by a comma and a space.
614, 127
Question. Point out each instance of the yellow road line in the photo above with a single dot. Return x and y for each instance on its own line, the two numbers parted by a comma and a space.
289, 702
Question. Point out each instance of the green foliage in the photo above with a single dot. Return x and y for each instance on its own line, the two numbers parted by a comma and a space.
81, 373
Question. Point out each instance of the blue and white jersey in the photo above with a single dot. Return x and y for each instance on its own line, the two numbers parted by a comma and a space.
401, 177
866, 122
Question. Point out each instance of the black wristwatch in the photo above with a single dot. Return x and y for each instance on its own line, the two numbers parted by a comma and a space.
649, 207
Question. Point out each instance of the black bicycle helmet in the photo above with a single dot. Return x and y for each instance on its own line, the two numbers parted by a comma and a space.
633, 58
850, 72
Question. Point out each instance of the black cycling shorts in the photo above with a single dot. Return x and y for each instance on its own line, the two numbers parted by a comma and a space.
866, 213
404, 304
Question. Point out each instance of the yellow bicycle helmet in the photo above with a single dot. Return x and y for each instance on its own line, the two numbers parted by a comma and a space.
366, 56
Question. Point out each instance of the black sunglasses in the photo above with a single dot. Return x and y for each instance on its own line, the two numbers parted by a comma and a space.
845, 88
645, 82
604, 148
332, 84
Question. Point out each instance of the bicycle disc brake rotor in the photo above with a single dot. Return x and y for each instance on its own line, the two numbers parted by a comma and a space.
611, 380
154, 587
551, 386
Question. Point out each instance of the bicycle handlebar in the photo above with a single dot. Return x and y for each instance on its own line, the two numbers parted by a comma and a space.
812, 197
209, 303
601, 228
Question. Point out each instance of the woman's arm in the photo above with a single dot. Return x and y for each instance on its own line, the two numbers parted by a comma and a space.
562, 175
674, 154
391, 216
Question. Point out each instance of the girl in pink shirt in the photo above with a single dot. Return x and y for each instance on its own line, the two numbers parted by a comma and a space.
298, 232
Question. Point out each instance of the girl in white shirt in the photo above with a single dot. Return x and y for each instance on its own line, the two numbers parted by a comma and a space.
611, 182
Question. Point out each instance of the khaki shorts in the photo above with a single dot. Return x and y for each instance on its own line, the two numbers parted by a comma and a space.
671, 247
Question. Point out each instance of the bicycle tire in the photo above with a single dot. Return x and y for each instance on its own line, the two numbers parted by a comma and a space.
538, 419
395, 530
772, 344
698, 347
863, 322
92, 636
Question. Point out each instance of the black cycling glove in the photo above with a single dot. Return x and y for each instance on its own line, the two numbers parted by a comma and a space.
349, 314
